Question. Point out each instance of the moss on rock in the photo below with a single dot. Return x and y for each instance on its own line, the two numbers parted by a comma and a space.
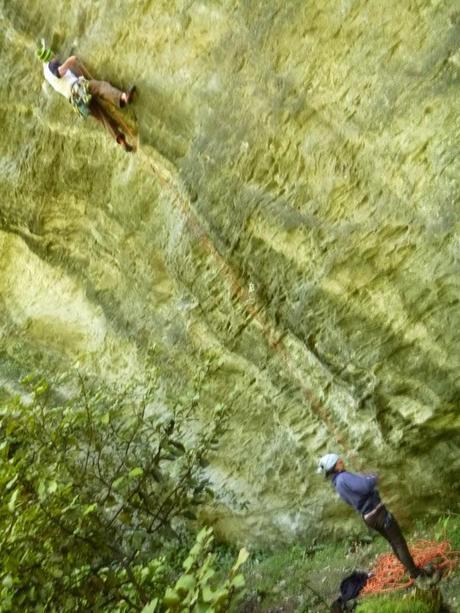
286, 236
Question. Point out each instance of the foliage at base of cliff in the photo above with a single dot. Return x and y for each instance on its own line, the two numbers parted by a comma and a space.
96, 494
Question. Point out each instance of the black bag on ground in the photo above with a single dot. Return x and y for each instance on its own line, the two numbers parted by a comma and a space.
349, 589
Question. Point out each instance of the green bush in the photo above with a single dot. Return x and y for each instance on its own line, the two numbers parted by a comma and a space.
95, 497
195, 591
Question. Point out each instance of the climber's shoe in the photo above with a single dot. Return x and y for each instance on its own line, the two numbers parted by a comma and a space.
127, 97
130, 93
121, 140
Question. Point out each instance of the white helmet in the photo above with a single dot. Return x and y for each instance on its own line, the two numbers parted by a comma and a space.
327, 463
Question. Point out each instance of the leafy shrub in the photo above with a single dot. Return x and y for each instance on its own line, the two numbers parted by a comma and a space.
194, 590
94, 493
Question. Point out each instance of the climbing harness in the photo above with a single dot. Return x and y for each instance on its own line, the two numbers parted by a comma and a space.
80, 97
373, 512
389, 573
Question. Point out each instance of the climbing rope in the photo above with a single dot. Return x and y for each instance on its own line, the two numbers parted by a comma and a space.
390, 574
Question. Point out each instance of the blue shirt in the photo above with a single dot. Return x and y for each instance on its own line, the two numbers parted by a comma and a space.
357, 490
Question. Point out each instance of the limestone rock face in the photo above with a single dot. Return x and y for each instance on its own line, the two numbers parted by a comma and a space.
284, 242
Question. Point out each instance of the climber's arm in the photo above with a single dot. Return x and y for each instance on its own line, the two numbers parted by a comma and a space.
75, 65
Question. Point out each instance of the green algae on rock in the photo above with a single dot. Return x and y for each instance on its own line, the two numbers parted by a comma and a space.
287, 235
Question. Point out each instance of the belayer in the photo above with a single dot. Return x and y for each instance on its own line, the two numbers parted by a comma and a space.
359, 491
72, 80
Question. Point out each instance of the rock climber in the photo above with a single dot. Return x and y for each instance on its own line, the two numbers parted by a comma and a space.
359, 491
72, 80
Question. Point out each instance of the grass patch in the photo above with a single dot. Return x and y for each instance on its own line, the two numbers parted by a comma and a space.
395, 604
303, 579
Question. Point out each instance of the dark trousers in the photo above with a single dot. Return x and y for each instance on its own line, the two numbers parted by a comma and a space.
102, 90
108, 122
384, 523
